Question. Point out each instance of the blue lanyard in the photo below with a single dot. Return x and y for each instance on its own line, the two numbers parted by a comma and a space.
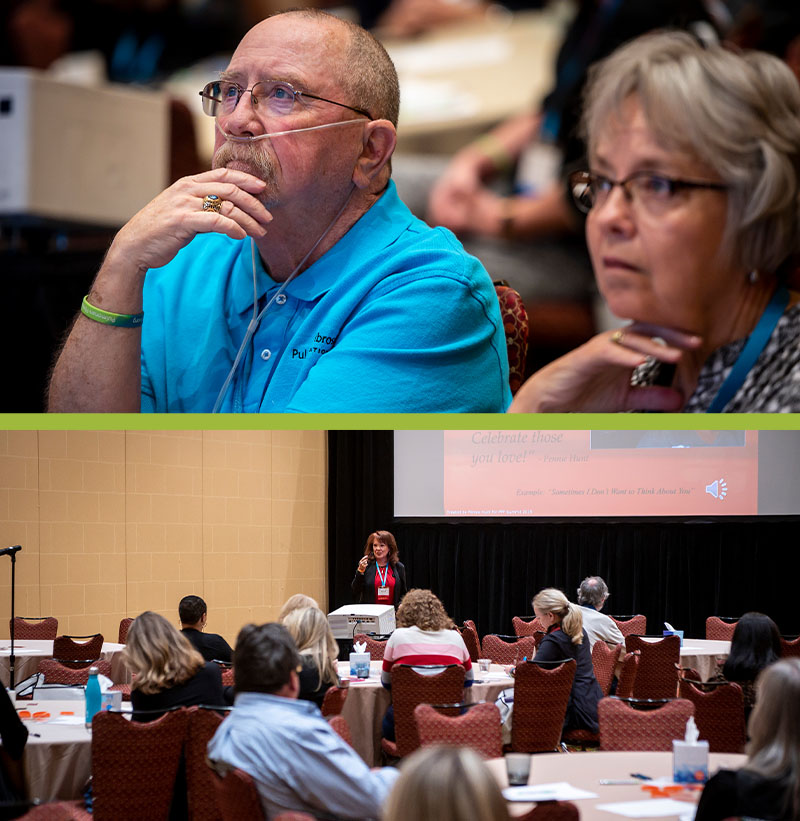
385, 575
752, 349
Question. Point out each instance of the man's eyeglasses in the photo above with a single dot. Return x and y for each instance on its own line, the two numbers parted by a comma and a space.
279, 98
652, 191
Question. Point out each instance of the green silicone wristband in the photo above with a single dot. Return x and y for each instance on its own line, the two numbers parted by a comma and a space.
109, 318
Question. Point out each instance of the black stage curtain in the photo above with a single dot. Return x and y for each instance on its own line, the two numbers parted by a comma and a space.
678, 571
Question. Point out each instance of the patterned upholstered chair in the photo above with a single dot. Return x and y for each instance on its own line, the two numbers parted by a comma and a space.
657, 676
375, 647
30, 628
124, 626
527, 628
540, 703
720, 629
627, 675
790, 647
341, 728
333, 702
73, 653
624, 728
469, 632
718, 713
410, 688
237, 797
508, 649
56, 673
202, 795
134, 764
478, 728
226, 673
604, 660
630, 625
551, 811
516, 327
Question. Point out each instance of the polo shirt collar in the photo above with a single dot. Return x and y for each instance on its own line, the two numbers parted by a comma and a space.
378, 228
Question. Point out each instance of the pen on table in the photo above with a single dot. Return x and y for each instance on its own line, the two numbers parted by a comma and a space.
617, 781
641, 777
35, 735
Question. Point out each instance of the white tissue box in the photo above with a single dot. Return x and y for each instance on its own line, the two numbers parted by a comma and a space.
359, 665
690, 762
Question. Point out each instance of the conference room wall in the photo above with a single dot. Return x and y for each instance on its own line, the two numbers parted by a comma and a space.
116, 522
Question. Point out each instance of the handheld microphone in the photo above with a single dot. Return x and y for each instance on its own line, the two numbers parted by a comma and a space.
10, 551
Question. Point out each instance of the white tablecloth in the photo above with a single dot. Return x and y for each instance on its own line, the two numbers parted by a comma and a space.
29, 652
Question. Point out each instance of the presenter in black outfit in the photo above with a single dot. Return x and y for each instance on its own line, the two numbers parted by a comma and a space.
380, 576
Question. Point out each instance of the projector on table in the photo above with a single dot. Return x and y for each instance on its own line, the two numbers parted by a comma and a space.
361, 618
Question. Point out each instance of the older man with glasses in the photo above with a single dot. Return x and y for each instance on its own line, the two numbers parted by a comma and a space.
290, 277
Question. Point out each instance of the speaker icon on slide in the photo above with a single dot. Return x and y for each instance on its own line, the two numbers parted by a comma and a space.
718, 489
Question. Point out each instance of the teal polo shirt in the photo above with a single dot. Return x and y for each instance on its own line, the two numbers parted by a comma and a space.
395, 318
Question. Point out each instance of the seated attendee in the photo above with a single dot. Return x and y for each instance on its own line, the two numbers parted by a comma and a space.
768, 785
756, 644
714, 327
193, 614
425, 634
168, 671
318, 650
380, 575
295, 602
566, 639
592, 595
297, 761
445, 784
14, 735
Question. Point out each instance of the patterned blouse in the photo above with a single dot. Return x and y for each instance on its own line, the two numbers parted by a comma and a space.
772, 386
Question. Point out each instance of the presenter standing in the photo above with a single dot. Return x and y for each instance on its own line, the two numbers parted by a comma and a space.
380, 576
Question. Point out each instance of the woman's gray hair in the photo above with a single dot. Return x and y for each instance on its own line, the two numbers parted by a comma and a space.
737, 112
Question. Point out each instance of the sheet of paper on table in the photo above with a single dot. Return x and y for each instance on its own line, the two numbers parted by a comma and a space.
557, 791
651, 808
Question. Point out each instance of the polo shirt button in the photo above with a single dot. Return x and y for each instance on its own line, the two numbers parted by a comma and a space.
266, 354
281, 299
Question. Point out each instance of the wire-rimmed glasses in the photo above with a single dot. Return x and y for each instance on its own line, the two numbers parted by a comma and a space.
650, 190
279, 97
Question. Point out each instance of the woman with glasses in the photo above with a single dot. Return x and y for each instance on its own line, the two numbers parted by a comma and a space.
693, 202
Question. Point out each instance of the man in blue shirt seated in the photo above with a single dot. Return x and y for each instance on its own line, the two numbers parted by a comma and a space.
297, 761
290, 277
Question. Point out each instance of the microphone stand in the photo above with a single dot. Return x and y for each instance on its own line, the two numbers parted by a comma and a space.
12, 552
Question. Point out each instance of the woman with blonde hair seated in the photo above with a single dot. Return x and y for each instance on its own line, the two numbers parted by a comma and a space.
295, 602
168, 671
768, 785
309, 628
692, 192
445, 784
566, 639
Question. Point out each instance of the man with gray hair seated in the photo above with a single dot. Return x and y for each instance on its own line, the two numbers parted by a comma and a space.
592, 595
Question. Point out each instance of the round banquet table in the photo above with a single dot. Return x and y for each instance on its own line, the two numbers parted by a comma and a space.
29, 652
58, 755
584, 770
367, 701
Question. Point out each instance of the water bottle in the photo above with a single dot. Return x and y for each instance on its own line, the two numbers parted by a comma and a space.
93, 697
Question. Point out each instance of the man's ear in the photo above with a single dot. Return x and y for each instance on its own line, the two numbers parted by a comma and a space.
380, 139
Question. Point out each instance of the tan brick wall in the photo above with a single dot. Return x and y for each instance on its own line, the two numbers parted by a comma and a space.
113, 523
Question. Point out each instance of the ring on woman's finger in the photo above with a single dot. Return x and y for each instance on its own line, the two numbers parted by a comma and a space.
618, 336
211, 202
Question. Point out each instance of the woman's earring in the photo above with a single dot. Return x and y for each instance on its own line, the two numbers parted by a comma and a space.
753, 276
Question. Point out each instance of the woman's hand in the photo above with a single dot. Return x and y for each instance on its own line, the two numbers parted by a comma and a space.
596, 377
362, 565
